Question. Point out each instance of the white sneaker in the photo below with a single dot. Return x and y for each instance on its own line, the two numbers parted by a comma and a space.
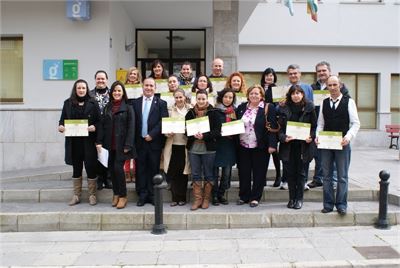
306, 187
283, 186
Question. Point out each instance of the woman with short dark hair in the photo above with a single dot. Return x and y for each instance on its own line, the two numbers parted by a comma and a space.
158, 70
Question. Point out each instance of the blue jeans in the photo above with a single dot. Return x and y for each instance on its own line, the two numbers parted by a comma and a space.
225, 182
202, 164
341, 158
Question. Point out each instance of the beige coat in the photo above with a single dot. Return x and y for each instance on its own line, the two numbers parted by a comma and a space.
167, 152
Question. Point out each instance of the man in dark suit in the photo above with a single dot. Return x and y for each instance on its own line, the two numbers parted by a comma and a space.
149, 110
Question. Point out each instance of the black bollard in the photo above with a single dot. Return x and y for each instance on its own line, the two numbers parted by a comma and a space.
158, 227
383, 222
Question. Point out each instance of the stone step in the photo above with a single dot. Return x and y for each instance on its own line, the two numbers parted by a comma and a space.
61, 191
56, 216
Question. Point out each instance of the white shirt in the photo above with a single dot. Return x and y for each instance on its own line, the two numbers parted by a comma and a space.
354, 124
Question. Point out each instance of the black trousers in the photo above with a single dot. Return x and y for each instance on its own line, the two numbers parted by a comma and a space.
252, 171
148, 165
116, 168
175, 173
295, 172
80, 157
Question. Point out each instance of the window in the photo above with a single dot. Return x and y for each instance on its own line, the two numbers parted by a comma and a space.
172, 47
11, 76
395, 98
363, 89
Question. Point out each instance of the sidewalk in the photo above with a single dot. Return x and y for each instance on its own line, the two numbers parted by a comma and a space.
251, 248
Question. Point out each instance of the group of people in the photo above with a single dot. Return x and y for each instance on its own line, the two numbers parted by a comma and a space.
132, 129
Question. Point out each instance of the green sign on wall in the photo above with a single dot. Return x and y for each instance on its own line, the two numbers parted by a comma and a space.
70, 68
60, 69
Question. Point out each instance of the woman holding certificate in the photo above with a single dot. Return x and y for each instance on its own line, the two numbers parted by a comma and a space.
203, 129
225, 156
268, 80
116, 134
176, 160
298, 121
254, 145
79, 118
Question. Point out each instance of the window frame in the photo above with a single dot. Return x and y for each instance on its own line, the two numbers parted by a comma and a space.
21, 99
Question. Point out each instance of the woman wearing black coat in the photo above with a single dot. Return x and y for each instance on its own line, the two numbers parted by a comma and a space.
295, 153
116, 134
81, 150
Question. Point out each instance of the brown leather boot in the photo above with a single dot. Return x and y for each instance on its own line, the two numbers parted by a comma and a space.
207, 195
122, 202
92, 186
76, 198
197, 195
115, 200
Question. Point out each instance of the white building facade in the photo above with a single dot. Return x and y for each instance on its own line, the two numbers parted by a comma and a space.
360, 40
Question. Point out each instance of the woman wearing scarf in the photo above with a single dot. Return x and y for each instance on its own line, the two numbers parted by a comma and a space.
116, 134
81, 150
225, 156
176, 160
202, 148
186, 74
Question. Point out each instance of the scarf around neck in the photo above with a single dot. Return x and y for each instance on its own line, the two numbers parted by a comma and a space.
228, 110
186, 80
200, 111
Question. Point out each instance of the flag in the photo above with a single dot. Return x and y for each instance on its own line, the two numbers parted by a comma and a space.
312, 8
289, 4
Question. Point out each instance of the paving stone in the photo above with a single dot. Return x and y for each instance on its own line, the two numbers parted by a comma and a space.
122, 221
20, 195
97, 258
177, 257
59, 258
339, 253
73, 221
37, 222
361, 194
251, 220
291, 219
143, 246
371, 218
19, 258
262, 256
181, 245
171, 220
391, 263
106, 246
219, 257
8, 222
330, 264
256, 243
202, 220
333, 219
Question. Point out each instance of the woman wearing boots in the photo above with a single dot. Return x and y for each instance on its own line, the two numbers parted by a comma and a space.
268, 80
81, 150
258, 116
202, 147
295, 153
116, 134
176, 161
225, 156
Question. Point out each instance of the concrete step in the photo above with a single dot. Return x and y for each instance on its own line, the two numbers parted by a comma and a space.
61, 191
56, 216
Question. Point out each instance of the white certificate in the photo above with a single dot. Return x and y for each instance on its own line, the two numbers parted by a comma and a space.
319, 96
168, 97
232, 128
162, 85
76, 128
172, 125
279, 93
240, 98
298, 130
197, 125
134, 91
330, 140
103, 157
218, 83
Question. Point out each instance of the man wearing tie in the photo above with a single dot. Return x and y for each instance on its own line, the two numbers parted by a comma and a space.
337, 113
149, 110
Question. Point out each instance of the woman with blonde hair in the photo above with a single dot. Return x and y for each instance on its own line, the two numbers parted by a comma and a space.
133, 76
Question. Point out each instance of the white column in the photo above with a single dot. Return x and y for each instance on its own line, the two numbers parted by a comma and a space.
383, 111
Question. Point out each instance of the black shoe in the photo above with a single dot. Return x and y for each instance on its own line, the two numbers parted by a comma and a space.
291, 204
277, 182
240, 202
223, 200
108, 184
215, 201
325, 210
99, 185
140, 203
314, 184
342, 211
254, 203
298, 204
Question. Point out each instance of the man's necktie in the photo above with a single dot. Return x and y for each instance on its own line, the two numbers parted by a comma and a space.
145, 116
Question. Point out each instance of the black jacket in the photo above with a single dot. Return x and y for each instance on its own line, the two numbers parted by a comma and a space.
308, 116
123, 122
92, 113
210, 138
265, 139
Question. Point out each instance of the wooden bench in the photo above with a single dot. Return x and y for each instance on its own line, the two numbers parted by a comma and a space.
394, 132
